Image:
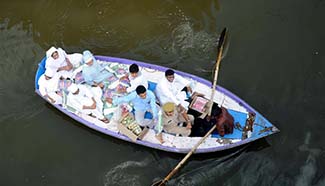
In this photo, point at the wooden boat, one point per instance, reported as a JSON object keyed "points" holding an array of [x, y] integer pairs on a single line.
{"points": [[251, 125]]}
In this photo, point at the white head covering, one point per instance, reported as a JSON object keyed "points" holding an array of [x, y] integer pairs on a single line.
{"points": [[73, 88], [50, 51], [49, 72], [87, 56]]}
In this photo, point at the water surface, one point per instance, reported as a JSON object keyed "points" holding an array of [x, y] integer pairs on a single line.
{"points": [[275, 62]]}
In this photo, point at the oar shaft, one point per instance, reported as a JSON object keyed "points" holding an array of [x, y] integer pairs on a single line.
{"points": [[215, 80], [210, 104], [187, 156]]}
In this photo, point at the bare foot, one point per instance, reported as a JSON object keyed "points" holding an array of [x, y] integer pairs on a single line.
{"points": [[105, 120], [160, 138]]}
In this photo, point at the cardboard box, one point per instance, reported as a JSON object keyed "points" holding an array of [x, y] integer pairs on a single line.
{"points": [[199, 104], [124, 130]]}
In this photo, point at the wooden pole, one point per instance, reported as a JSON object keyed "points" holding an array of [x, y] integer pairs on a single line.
{"points": [[179, 165]]}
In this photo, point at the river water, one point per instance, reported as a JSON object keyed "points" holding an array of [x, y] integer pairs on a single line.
{"points": [[275, 62]]}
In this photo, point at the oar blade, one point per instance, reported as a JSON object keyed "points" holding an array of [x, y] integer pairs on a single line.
{"points": [[225, 46], [223, 42], [222, 38]]}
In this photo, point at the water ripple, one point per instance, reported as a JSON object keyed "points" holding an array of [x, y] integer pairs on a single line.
{"points": [[126, 173], [308, 171], [17, 71]]}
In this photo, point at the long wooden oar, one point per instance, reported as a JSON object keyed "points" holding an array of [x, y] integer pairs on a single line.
{"points": [[162, 182], [221, 43], [171, 173]]}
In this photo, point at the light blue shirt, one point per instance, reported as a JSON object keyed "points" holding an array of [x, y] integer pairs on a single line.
{"points": [[139, 104], [95, 73]]}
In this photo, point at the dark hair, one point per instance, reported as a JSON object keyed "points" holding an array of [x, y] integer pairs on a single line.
{"points": [[134, 68], [216, 111], [140, 89], [169, 72]]}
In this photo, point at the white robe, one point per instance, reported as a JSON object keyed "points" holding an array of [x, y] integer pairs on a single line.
{"points": [[49, 87], [55, 64], [171, 91], [84, 97], [135, 82]]}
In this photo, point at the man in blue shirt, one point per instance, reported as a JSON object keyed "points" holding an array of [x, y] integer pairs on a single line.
{"points": [[143, 101]]}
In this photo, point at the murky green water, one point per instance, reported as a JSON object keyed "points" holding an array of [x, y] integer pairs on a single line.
{"points": [[275, 62]]}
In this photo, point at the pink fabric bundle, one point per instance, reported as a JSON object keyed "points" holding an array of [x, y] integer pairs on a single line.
{"points": [[79, 78]]}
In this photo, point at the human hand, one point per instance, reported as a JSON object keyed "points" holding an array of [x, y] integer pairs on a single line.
{"points": [[101, 85], [109, 100], [189, 89], [94, 84], [189, 125], [126, 77], [51, 100], [93, 106]]}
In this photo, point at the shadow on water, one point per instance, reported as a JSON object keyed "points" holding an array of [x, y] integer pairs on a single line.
{"points": [[194, 172], [200, 163], [17, 50]]}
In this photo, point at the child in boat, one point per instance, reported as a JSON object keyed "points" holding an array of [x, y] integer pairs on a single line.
{"points": [[62, 63], [48, 86], [93, 73], [172, 116], [143, 101], [83, 100], [135, 77], [170, 89]]}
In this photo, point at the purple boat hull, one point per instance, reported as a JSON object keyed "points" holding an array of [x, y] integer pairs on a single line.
{"points": [[118, 135]]}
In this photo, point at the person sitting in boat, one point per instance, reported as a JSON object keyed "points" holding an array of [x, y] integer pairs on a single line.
{"points": [[83, 99], [143, 101], [48, 86], [62, 63], [173, 116], [173, 88], [93, 73], [136, 78], [225, 122], [221, 118]]}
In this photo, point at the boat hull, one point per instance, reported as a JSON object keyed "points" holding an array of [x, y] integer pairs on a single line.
{"points": [[234, 101]]}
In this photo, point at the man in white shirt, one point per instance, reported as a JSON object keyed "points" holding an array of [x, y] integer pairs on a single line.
{"points": [[49, 86], [136, 78], [82, 99], [169, 89]]}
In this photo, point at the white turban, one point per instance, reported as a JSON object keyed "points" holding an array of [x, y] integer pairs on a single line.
{"points": [[73, 88], [50, 51]]}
